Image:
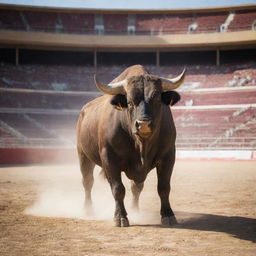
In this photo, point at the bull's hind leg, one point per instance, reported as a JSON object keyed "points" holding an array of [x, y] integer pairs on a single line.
{"points": [[86, 167], [136, 190]]}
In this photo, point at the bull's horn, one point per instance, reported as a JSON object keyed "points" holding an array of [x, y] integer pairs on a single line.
{"points": [[169, 84], [113, 88]]}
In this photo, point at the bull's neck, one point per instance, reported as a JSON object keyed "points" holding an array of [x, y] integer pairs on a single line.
{"points": [[144, 146]]}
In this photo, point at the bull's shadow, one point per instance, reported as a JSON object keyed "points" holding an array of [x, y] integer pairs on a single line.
{"points": [[239, 227]]}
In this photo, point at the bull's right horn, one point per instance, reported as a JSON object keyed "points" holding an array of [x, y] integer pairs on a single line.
{"points": [[169, 84], [113, 88]]}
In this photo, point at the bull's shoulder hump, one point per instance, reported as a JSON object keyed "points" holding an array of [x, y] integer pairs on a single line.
{"points": [[95, 106], [96, 102], [131, 71]]}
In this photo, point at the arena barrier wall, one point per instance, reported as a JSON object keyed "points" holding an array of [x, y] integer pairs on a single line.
{"points": [[216, 155], [9, 156], [37, 155]]}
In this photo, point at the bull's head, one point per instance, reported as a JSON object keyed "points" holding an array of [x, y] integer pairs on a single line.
{"points": [[142, 97]]}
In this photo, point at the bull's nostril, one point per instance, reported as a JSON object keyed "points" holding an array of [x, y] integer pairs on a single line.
{"points": [[137, 125], [143, 126]]}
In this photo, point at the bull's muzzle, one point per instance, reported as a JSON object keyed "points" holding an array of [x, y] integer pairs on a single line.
{"points": [[143, 128]]}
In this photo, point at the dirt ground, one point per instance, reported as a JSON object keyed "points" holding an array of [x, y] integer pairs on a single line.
{"points": [[215, 204]]}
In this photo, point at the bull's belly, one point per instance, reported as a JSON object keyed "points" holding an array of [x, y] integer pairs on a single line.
{"points": [[137, 173]]}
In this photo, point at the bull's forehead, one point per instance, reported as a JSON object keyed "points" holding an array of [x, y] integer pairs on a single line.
{"points": [[143, 86]]}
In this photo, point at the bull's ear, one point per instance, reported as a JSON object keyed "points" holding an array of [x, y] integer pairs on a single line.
{"points": [[170, 98], [119, 101]]}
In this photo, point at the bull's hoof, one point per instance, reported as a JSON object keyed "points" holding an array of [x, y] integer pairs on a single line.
{"points": [[89, 212], [169, 221], [121, 222]]}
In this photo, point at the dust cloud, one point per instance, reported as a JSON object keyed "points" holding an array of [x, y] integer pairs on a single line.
{"points": [[60, 193]]}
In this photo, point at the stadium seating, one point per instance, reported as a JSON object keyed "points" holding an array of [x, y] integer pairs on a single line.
{"points": [[114, 27], [217, 97], [47, 77], [11, 20], [76, 22], [243, 21], [5, 134], [27, 129], [200, 124], [83, 23], [68, 78], [41, 21], [215, 128], [157, 24], [23, 126], [41, 100], [210, 22], [63, 125]]}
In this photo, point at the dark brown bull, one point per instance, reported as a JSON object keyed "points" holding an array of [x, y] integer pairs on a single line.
{"points": [[130, 129]]}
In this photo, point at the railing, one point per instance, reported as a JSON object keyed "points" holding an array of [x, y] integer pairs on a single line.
{"points": [[42, 111], [153, 32], [181, 143], [34, 143], [225, 143]]}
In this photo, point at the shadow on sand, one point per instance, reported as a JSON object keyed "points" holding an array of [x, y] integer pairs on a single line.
{"points": [[239, 227]]}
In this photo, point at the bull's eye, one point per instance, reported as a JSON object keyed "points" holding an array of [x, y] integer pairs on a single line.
{"points": [[130, 104]]}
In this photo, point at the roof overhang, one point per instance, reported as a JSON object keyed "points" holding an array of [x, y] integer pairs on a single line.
{"points": [[24, 38]]}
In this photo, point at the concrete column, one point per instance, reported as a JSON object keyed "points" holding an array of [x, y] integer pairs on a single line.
{"points": [[157, 58], [217, 57], [95, 58], [17, 56]]}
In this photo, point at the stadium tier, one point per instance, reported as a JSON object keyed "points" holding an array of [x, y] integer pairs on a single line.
{"points": [[77, 78], [222, 116], [44, 99], [223, 127], [125, 23]]}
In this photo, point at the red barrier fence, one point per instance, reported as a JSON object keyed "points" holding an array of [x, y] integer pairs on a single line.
{"points": [[37, 155]]}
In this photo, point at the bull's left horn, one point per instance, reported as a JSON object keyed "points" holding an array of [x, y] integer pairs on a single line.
{"points": [[169, 84], [113, 88]]}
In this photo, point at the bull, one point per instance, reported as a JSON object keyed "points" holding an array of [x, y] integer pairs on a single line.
{"points": [[130, 129]]}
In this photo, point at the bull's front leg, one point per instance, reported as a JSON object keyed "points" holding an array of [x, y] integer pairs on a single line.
{"points": [[118, 191], [113, 174], [164, 172]]}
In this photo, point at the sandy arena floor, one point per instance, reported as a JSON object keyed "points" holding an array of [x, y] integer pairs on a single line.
{"points": [[215, 203]]}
